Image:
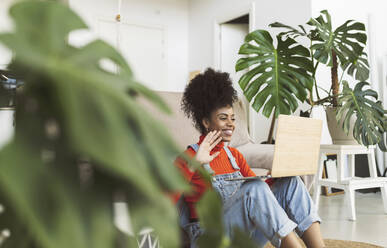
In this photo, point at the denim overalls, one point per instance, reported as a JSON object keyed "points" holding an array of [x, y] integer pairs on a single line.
{"points": [[266, 214]]}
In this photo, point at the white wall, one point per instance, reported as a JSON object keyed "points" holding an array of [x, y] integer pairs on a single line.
{"points": [[170, 16], [204, 13], [5, 25]]}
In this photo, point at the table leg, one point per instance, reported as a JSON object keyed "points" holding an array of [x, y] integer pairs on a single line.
{"points": [[340, 167], [318, 177], [372, 163], [384, 196], [350, 196], [351, 163]]}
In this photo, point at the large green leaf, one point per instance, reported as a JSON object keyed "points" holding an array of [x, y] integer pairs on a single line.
{"points": [[370, 125], [293, 32], [359, 67], [348, 40], [277, 77], [72, 108]]}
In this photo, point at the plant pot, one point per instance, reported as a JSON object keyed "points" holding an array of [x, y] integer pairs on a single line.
{"points": [[6, 124], [339, 137]]}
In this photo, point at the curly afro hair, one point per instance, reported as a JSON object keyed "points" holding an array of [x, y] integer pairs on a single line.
{"points": [[206, 93]]}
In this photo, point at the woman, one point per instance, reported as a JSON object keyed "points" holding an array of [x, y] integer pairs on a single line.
{"points": [[268, 211]]}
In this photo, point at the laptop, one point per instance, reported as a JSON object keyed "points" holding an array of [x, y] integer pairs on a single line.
{"points": [[296, 149]]}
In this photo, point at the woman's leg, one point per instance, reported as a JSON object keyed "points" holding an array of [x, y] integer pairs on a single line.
{"points": [[290, 241], [294, 198], [312, 236], [256, 210]]}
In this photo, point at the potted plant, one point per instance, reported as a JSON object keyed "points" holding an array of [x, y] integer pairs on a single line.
{"points": [[280, 77], [8, 87]]}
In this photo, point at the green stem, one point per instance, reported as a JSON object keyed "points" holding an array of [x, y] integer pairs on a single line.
{"points": [[276, 76], [315, 81], [314, 72], [341, 78], [326, 99], [270, 137], [335, 82]]}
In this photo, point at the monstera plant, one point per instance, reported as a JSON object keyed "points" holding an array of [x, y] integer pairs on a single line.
{"points": [[80, 139], [277, 78], [280, 75]]}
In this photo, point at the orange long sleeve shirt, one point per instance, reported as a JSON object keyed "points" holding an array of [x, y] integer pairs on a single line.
{"points": [[220, 165]]}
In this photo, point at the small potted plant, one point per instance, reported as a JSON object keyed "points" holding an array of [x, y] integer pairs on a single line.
{"points": [[8, 86], [278, 77]]}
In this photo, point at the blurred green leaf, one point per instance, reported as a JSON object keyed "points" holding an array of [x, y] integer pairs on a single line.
{"points": [[242, 240], [211, 220], [71, 108]]}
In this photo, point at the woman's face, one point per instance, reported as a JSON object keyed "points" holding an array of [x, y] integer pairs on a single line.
{"points": [[222, 120]]}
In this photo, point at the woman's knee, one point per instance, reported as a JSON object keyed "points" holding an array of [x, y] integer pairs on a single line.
{"points": [[256, 187], [290, 182]]}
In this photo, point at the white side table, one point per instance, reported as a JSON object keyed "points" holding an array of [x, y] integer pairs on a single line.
{"points": [[351, 183]]}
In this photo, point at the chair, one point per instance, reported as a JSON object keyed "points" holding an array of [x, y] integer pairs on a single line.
{"points": [[145, 238]]}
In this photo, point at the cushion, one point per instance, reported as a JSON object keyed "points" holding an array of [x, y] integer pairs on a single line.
{"points": [[240, 135], [180, 127], [260, 171], [258, 155]]}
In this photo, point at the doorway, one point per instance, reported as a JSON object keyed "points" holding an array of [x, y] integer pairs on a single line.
{"points": [[232, 35], [229, 34]]}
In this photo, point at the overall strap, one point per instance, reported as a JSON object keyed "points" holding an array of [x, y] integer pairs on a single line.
{"points": [[231, 158], [207, 166]]}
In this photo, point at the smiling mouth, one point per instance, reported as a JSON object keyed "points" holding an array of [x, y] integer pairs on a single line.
{"points": [[227, 132]]}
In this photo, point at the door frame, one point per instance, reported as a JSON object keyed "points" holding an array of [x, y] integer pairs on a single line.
{"points": [[226, 17], [248, 9]]}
